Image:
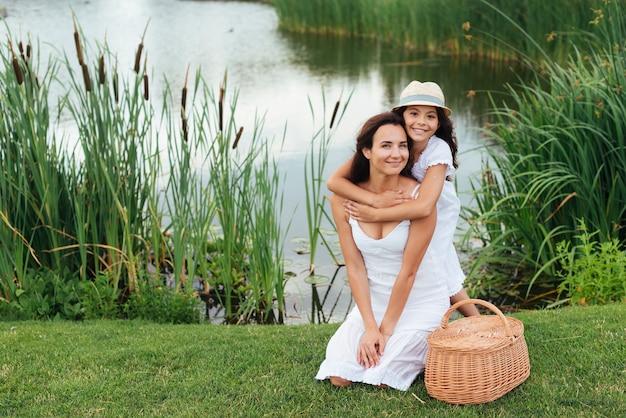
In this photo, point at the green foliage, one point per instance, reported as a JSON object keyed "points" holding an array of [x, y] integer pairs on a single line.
{"points": [[44, 294], [592, 272], [557, 154], [467, 27], [159, 303], [100, 298]]}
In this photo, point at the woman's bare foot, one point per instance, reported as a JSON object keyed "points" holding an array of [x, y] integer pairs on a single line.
{"points": [[340, 382]]}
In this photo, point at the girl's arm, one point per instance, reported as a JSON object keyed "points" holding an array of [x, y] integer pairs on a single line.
{"points": [[424, 205], [338, 183], [420, 234], [368, 354]]}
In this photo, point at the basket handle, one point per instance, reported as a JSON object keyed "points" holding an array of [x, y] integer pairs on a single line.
{"points": [[492, 307]]}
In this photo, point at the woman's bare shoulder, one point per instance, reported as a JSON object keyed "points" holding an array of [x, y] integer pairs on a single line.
{"points": [[408, 184]]}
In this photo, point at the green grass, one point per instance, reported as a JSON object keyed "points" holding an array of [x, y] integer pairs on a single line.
{"points": [[130, 368]]}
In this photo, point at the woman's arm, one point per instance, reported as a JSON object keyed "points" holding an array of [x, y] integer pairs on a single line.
{"points": [[338, 183], [423, 206], [420, 234], [368, 354]]}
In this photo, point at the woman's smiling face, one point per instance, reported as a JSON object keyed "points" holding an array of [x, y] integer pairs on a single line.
{"points": [[390, 150]]}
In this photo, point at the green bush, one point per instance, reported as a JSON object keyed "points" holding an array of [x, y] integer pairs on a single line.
{"points": [[592, 272], [44, 294], [159, 303]]}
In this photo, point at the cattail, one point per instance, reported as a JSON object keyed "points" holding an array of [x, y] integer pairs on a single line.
{"points": [[101, 75], [220, 106], [146, 96], [16, 65], [237, 137], [86, 78], [185, 129], [116, 89], [183, 105], [21, 48], [18, 71], [183, 99], [138, 57], [28, 50], [79, 48], [332, 119], [140, 50]]}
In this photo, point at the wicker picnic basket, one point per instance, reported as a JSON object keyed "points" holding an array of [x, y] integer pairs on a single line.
{"points": [[476, 359]]}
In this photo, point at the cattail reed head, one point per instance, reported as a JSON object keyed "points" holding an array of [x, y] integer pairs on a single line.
{"points": [[146, 94], [18, 71], [86, 78], [101, 74], [16, 65], [21, 48], [185, 129], [220, 106], [138, 58], [79, 48], [237, 137], [140, 50], [183, 99], [332, 119], [116, 88]]}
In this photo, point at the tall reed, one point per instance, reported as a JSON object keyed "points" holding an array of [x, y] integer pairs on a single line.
{"points": [[119, 165], [559, 157], [96, 210], [462, 27], [35, 205], [314, 170]]}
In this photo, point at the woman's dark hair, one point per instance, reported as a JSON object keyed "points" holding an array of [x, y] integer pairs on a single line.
{"points": [[445, 131], [360, 170]]}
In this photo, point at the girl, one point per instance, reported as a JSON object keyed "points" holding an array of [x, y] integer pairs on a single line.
{"points": [[427, 122], [390, 265]]}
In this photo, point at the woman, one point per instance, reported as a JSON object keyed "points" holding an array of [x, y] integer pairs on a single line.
{"points": [[389, 265]]}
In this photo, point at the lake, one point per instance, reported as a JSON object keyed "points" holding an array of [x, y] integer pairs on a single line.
{"points": [[276, 74]]}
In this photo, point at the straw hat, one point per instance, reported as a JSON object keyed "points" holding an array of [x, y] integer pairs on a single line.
{"points": [[426, 93]]}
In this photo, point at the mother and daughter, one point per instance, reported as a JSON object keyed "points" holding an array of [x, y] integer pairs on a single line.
{"points": [[396, 211]]}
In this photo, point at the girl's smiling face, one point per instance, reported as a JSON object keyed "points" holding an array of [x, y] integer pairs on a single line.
{"points": [[421, 123]]}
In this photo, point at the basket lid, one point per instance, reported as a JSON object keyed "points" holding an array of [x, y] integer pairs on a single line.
{"points": [[476, 332]]}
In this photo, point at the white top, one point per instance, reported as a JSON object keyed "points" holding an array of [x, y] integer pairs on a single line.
{"points": [[437, 151]]}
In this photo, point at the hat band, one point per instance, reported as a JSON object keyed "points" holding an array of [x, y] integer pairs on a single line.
{"points": [[422, 98]]}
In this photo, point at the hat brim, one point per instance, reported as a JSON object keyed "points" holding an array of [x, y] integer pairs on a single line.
{"points": [[446, 110]]}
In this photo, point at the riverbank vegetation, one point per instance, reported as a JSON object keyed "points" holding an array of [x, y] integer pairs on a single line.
{"points": [[551, 201], [458, 27], [97, 224], [138, 368]]}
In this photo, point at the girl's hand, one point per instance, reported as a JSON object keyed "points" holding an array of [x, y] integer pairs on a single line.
{"points": [[390, 198], [371, 348]]}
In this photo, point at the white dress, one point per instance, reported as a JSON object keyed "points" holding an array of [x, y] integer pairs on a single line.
{"points": [[436, 152], [405, 353]]}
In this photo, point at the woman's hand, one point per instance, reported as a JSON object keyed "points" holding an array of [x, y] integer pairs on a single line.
{"points": [[371, 348]]}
